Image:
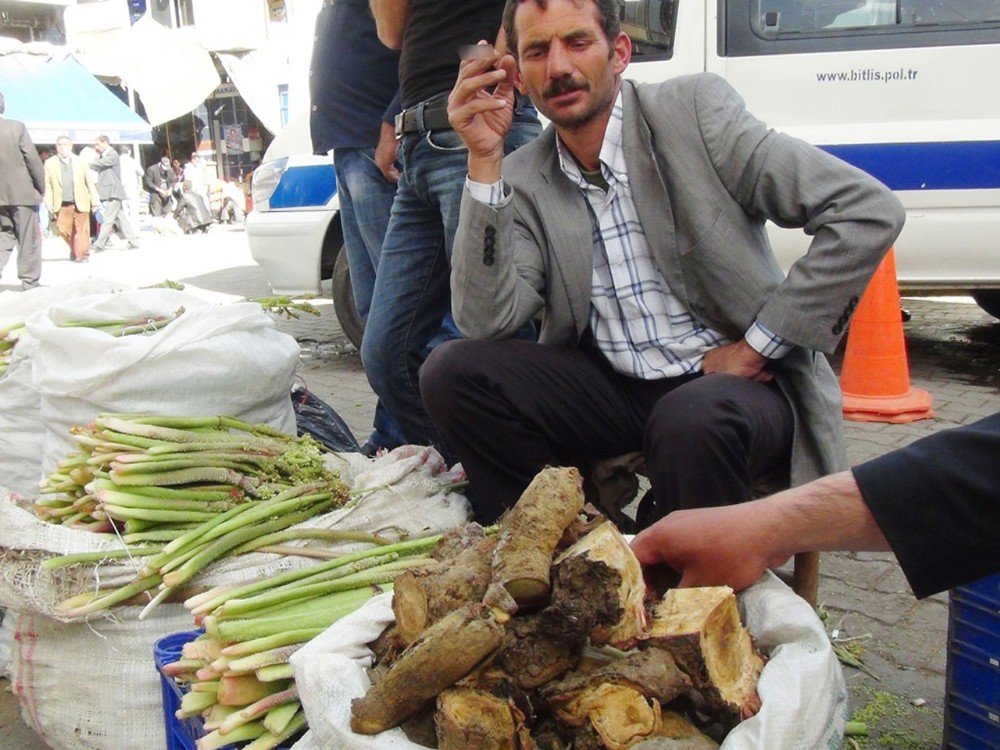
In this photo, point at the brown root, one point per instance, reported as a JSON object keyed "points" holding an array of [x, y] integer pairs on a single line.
{"points": [[701, 629], [530, 532], [606, 546], [469, 718], [422, 597], [447, 651]]}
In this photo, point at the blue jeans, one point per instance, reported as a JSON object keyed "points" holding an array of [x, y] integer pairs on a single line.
{"points": [[411, 305], [365, 202]]}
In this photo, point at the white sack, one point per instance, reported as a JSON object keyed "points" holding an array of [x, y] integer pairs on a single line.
{"points": [[212, 360], [804, 699], [21, 428], [93, 685]]}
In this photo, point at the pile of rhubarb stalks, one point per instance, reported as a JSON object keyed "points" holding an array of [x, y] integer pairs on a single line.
{"points": [[178, 493], [237, 673]]}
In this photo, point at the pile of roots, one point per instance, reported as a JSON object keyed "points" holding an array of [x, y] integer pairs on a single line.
{"points": [[540, 636]]}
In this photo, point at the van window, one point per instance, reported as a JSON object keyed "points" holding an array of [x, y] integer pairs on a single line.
{"points": [[651, 25], [775, 17], [774, 27]]}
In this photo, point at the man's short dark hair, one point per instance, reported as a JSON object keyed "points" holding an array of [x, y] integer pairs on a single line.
{"points": [[608, 11], [103, 139]]}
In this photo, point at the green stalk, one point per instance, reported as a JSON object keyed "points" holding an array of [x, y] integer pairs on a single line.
{"points": [[311, 504], [132, 441], [261, 708], [216, 741], [193, 703], [257, 645], [315, 613], [279, 718], [275, 672], [270, 740], [204, 494], [188, 476], [103, 602], [123, 513], [409, 547], [381, 574], [127, 499], [155, 535], [329, 535], [62, 561], [177, 464], [253, 662]]}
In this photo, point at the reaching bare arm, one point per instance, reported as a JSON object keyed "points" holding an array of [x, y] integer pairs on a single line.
{"points": [[390, 21], [734, 544]]}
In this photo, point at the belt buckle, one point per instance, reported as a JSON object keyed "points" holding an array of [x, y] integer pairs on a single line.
{"points": [[398, 130]]}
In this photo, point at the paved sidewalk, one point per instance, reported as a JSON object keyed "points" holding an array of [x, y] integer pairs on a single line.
{"points": [[954, 352]]}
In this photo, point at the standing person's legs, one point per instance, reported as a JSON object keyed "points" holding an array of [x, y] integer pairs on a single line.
{"points": [[109, 210], [81, 233], [28, 230], [8, 240], [366, 199], [124, 225], [411, 295], [708, 441], [66, 226], [507, 408]]}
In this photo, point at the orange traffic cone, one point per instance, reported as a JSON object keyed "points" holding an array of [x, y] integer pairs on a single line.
{"points": [[875, 376]]}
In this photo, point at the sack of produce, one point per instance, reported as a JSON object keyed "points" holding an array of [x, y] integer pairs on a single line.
{"points": [[543, 635], [92, 685], [158, 351], [21, 428]]}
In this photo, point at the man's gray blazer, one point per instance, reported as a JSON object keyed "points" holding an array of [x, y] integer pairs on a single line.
{"points": [[109, 175], [705, 175], [22, 177]]}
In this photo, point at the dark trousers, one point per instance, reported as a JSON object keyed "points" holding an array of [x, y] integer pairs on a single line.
{"points": [[508, 408], [20, 227]]}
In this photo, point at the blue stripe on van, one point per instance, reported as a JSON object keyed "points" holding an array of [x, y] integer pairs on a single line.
{"points": [[957, 165], [306, 186]]}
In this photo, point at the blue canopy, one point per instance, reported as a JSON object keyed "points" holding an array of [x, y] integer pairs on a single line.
{"points": [[61, 97]]}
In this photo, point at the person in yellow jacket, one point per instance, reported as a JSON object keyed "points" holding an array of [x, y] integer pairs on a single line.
{"points": [[70, 193]]}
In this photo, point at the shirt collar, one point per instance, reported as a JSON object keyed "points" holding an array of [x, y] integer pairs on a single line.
{"points": [[612, 157]]}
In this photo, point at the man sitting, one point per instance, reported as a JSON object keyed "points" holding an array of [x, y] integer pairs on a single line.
{"points": [[634, 227]]}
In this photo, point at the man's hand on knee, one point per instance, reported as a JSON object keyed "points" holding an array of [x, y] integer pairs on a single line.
{"points": [[739, 359], [710, 546]]}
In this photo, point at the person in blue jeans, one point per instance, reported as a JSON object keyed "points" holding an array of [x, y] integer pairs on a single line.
{"points": [[410, 312], [353, 83]]}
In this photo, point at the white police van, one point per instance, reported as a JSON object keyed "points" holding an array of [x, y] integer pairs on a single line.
{"points": [[903, 89]]}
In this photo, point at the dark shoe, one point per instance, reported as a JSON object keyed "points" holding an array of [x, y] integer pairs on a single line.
{"points": [[369, 449]]}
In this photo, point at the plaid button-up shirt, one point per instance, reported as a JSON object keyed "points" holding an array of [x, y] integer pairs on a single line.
{"points": [[638, 324]]}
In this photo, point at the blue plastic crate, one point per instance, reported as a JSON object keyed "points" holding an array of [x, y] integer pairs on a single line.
{"points": [[972, 709]]}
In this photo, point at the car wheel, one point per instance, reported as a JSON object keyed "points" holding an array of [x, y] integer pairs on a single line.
{"points": [[989, 300], [343, 301]]}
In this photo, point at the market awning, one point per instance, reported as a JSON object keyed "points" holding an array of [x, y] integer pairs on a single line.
{"points": [[57, 96]]}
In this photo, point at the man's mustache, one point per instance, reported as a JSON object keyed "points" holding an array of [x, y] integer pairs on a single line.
{"points": [[565, 85]]}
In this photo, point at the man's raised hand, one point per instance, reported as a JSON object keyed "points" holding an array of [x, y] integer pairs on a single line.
{"points": [[481, 110]]}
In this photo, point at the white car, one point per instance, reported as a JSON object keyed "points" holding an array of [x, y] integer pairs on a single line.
{"points": [[294, 227]]}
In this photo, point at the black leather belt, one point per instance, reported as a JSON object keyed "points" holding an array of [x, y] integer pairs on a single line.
{"points": [[432, 114], [428, 115]]}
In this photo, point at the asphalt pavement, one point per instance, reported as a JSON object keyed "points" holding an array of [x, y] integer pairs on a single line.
{"points": [[954, 351]]}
